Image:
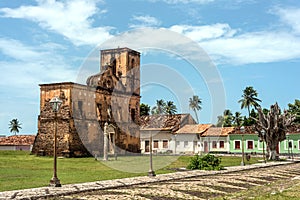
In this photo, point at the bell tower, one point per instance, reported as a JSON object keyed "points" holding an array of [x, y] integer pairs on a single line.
{"points": [[125, 65]]}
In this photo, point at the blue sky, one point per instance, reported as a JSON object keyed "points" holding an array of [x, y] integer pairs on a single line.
{"points": [[251, 43]]}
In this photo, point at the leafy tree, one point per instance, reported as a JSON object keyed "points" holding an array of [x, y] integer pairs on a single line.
{"points": [[265, 111], [249, 98], [195, 104], [295, 110], [14, 126], [275, 125], [220, 121], [251, 120], [170, 108], [144, 109], [159, 108]]}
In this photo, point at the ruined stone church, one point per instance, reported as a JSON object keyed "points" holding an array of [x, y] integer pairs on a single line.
{"points": [[111, 96]]}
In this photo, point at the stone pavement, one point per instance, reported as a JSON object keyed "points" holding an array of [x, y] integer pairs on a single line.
{"points": [[43, 192]]}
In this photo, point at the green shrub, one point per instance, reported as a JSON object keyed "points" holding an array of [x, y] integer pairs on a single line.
{"points": [[206, 162]]}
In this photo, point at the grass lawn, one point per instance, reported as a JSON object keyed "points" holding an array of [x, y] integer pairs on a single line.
{"points": [[20, 170]]}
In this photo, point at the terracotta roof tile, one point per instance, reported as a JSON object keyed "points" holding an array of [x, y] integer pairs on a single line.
{"points": [[17, 140], [218, 131], [194, 128], [249, 130], [294, 129], [165, 122]]}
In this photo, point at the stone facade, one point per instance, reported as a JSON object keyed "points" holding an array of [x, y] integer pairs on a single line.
{"points": [[111, 96]]}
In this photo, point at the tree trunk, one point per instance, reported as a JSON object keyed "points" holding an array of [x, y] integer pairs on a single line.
{"points": [[196, 116], [272, 145], [273, 155], [248, 111], [273, 126]]}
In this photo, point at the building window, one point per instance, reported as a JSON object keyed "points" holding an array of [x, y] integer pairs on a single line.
{"points": [[165, 144], [132, 114], [80, 105], [249, 144], [177, 143], [222, 144], [214, 144], [147, 146], [155, 144], [237, 144], [186, 143]]}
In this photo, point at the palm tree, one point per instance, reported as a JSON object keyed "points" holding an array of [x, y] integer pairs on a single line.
{"points": [[220, 121], [249, 99], [228, 118], [15, 126], [170, 108], [238, 119], [159, 108], [195, 104]]}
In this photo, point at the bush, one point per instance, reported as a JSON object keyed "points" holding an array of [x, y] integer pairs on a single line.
{"points": [[206, 162]]}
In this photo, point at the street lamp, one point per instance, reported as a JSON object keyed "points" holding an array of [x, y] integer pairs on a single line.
{"points": [[151, 172], [288, 145], [105, 148], [55, 103], [242, 129], [175, 144], [263, 132]]}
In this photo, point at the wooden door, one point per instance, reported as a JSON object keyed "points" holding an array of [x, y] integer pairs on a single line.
{"points": [[205, 147], [147, 146]]}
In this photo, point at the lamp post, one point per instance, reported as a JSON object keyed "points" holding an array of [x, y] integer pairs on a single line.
{"points": [[242, 129], [263, 135], [55, 103], [288, 146], [151, 172], [105, 146], [175, 144]]}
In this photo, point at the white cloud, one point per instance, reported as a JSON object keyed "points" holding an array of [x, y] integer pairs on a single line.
{"points": [[29, 66], [227, 45], [259, 47], [290, 16], [184, 1], [71, 19], [144, 21], [18, 51], [199, 33]]}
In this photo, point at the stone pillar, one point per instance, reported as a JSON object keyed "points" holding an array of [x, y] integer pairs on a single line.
{"points": [[105, 148]]}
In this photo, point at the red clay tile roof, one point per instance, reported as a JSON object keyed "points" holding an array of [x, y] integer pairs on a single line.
{"points": [[165, 122], [294, 129], [17, 140], [248, 130], [218, 131], [193, 128]]}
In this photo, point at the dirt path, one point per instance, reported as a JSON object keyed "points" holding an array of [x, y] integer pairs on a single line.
{"points": [[204, 187]]}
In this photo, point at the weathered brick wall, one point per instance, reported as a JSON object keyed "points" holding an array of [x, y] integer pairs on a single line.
{"points": [[68, 142], [112, 96]]}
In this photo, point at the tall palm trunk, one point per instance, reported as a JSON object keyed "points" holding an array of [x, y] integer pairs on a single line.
{"points": [[248, 111], [196, 116]]}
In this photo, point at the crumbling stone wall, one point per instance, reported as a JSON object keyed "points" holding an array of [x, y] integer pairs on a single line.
{"points": [[69, 143], [112, 96]]}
